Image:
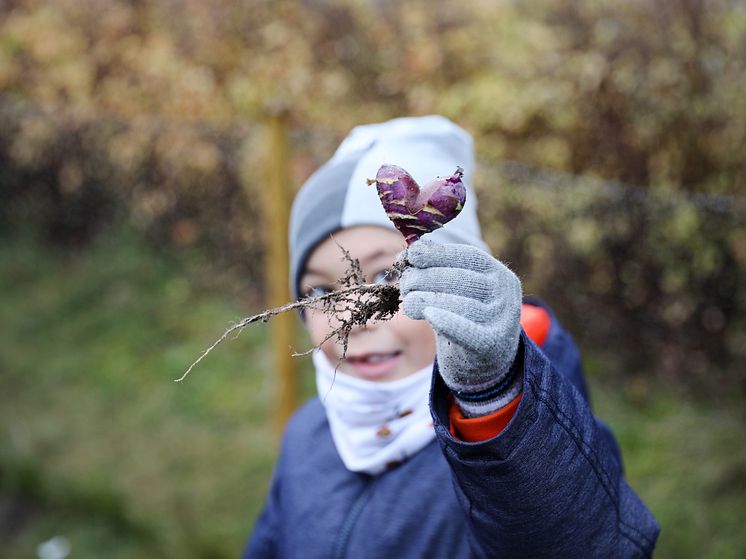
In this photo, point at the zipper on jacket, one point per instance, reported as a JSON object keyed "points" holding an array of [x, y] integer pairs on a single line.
{"points": [[340, 549]]}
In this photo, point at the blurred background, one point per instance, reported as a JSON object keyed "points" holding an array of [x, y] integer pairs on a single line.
{"points": [[134, 155]]}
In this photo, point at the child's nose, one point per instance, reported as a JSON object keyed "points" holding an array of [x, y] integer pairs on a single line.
{"points": [[369, 302], [354, 312], [360, 328]]}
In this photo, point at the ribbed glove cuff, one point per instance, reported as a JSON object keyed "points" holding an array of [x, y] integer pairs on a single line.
{"points": [[481, 400]]}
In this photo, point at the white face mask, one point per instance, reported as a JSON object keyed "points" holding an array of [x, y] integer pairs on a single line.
{"points": [[375, 425]]}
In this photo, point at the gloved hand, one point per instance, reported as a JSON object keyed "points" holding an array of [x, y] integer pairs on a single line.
{"points": [[473, 302]]}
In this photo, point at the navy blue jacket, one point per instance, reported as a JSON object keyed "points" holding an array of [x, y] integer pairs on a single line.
{"points": [[550, 485]]}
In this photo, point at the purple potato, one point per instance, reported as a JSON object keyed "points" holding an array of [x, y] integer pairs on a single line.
{"points": [[414, 210]]}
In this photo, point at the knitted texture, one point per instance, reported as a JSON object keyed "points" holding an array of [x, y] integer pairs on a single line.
{"points": [[473, 302]]}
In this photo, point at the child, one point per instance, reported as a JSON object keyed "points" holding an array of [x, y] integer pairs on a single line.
{"points": [[461, 427]]}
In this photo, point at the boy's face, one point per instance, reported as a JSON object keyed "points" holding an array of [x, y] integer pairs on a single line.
{"points": [[380, 350]]}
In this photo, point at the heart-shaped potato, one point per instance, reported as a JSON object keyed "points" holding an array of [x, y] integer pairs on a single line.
{"points": [[414, 210]]}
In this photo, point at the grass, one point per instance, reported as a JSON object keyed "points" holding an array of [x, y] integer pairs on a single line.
{"points": [[98, 445], [687, 460]]}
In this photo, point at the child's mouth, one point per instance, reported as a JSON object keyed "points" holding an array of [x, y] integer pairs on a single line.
{"points": [[374, 366]]}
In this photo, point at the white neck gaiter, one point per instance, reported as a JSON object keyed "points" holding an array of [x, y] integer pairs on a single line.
{"points": [[375, 425]]}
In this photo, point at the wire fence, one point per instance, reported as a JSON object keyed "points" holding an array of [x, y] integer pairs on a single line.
{"points": [[525, 175]]}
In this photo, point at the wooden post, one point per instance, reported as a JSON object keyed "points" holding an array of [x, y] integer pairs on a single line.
{"points": [[276, 209]]}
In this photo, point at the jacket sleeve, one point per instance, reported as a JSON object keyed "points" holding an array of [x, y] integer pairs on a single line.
{"points": [[551, 484], [263, 541]]}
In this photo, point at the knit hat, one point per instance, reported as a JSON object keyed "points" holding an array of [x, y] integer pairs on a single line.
{"points": [[338, 196]]}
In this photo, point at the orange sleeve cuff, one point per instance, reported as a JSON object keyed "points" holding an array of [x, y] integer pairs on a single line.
{"points": [[476, 429], [536, 323]]}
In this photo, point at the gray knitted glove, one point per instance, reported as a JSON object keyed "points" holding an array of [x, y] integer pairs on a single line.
{"points": [[473, 302]]}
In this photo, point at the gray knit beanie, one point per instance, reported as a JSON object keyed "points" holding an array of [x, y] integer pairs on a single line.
{"points": [[338, 196]]}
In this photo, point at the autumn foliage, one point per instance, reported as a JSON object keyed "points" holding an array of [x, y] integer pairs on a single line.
{"points": [[150, 112]]}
